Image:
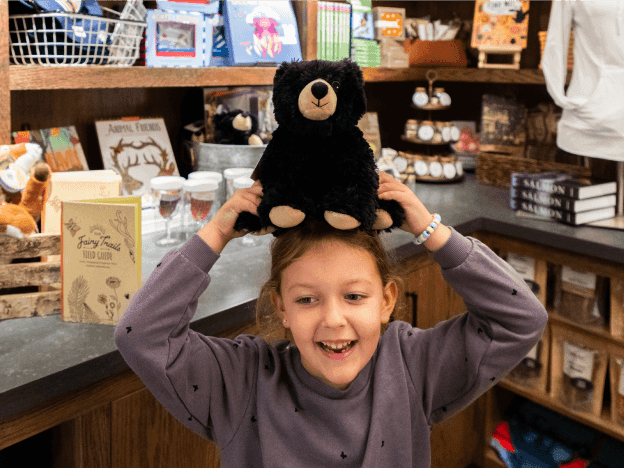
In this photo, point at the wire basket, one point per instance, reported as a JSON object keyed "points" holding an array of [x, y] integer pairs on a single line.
{"points": [[59, 38]]}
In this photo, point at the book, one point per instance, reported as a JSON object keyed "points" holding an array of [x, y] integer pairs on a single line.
{"points": [[138, 149], [566, 217], [101, 258], [500, 24], [562, 202], [563, 184], [503, 123], [261, 32], [61, 147]]}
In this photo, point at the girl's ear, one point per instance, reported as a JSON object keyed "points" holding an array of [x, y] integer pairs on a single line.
{"points": [[391, 292]]}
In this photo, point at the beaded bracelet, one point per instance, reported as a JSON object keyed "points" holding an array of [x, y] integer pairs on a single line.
{"points": [[427, 232]]}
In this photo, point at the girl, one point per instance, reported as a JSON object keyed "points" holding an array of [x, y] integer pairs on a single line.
{"points": [[347, 389]]}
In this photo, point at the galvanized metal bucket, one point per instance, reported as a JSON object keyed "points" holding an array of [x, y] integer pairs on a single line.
{"points": [[214, 157]]}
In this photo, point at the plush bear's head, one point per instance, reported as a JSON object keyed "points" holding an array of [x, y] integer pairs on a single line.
{"points": [[318, 97], [235, 127]]}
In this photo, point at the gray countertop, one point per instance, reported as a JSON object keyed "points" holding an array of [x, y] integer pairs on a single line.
{"points": [[43, 357]]}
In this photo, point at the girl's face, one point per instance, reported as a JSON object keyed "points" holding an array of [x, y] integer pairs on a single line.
{"points": [[333, 294]]}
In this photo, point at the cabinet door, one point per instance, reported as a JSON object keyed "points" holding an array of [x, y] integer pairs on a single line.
{"points": [[454, 442], [143, 433]]}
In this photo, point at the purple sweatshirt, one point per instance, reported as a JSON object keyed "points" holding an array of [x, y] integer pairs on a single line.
{"points": [[263, 409]]}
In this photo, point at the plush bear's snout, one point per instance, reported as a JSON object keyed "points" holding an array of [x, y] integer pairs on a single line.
{"points": [[317, 101]]}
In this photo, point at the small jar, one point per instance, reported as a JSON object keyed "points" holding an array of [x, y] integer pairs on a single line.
{"points": [[449, 170], [443, 98], [455, 133], [437, 135], [411, 129], [420, 98], [426, 131], [435, 168], [446, 132], [232, 173], [421, 168]]}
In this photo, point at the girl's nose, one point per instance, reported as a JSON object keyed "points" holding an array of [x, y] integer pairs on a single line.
{"points": [[333, 315]]}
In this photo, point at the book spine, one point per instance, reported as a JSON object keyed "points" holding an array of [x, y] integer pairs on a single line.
{"points": [[334, 29], [319, 31], [534, 208], [542, 185], [325, 21], [563, 203]]}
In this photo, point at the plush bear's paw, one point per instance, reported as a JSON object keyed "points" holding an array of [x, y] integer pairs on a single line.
{"points": [[384, 220], [285, 216], [255, 140], [341, 221], [263, 231]]}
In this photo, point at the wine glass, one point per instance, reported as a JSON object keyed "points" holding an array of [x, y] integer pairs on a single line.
{"points": [[203, 193], [216, 177], [167, 191], [240, 183]]}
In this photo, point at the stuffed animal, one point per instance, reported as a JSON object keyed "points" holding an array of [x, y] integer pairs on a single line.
{"points": [[23, 190], [236, 128], [318, 164]]}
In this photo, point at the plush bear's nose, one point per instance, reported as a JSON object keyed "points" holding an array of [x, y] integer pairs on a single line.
{"points": [[319, 90]]}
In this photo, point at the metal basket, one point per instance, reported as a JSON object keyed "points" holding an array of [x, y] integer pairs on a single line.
{"points": [[55, 39]]}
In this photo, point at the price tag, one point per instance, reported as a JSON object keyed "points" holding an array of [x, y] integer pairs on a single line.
{"points": [[584, 280], [525, 266], [578, 362]]}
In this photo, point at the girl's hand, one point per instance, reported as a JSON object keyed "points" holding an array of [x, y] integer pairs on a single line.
{"points": [[417, 217], [220, 230]]}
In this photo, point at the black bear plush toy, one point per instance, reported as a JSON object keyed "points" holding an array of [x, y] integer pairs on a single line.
{"points": [[236, 128], [318, 164]]}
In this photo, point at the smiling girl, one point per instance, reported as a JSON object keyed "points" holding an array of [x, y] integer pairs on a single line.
{"points": [[348, 387]]}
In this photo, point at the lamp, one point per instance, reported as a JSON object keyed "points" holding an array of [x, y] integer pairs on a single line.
{"points": [[592, 122]]}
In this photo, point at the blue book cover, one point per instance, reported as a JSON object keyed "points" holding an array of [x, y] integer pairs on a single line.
{"points": [[261, 32]]}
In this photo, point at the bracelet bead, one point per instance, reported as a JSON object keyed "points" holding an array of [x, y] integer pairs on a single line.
{"points": [[427, 232]]}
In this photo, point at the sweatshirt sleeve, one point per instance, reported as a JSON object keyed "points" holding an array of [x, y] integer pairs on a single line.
{"points": [[459, 359], [555, 55], [204, 382]]}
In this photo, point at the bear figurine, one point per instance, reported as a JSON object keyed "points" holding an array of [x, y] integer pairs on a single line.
{"points": [[236, 128], [318, 165]]}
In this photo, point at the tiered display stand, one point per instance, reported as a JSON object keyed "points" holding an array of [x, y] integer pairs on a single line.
{"points": [[436, 163]]}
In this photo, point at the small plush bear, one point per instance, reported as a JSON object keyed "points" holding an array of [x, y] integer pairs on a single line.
{"points": [[236, 128], [318, 164]]}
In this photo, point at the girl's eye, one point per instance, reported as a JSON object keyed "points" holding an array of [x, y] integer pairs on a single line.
{"points": [[302, 300], [360, 296]]}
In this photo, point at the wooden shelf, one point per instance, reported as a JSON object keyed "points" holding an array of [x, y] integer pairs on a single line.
{"points": [[602, 423], [32, 77]]}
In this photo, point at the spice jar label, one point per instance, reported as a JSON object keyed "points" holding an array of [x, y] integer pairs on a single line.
{"points": [[578, 362], [525, 266], [583, 280]]}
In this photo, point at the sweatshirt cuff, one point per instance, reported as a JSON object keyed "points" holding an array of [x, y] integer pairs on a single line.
{"points": [[454, 251], [197, 251]]}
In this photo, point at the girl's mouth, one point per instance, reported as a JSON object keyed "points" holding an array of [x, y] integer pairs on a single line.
{"points": [[337, 355]]}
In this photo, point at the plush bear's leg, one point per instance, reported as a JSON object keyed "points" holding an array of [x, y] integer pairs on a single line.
{"points": [[285, 216], [394, 209], [383, 221], [248, 221], [341, 221]]}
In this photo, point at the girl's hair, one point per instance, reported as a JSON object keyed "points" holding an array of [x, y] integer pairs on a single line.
{"points": [[292, 245]]}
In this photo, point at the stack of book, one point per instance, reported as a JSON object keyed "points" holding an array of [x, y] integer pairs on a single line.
{"points": [[333, 30], [562, 198]]}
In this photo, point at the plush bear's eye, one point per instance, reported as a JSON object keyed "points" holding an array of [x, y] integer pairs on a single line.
{"points": [[335, 85]]}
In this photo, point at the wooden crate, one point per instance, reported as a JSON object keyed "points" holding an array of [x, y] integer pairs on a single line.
{"points": [[495, 168], [14, 275]]}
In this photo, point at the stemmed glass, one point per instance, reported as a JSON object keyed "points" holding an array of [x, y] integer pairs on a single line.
{"points": [[238, 183], [203, 194], [216, 177], [167, 191]]}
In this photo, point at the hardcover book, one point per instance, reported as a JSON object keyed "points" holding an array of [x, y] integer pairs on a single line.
{"points": [[566, 217], [261, 32], [101, 258], [563, 185], [61, 147], [138, 150], [561, 202]]}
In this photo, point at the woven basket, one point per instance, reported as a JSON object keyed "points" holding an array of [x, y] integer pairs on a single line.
{"points": [[542, 39], [495, 169]]}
